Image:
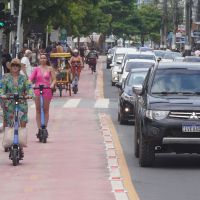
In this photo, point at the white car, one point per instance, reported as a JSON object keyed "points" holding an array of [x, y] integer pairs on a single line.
{"points": [[134, 64], [137, 55], [116, 70], [119, 52]]}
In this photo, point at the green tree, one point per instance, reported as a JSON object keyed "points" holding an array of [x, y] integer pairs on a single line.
{"points": [[149, 22]]}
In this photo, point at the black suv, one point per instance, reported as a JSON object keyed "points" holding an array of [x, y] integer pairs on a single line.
{"points": [[167, 111]]}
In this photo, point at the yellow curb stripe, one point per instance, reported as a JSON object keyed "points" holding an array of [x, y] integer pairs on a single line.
{"points": [[128, 185], [100, 83]]}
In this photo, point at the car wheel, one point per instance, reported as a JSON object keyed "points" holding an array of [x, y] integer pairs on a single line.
{"points": [[136, 142], [113, 84], [146, 152]]}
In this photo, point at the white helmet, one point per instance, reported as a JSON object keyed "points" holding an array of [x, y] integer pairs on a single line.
{"points": [[75, 51]]}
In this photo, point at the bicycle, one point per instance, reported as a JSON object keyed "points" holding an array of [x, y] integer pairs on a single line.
{"points": [[16, 152], [92, 64], [43, 133]]}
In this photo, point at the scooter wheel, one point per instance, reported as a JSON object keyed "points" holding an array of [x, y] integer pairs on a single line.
{"points": [[44, 140], [15, 158]]}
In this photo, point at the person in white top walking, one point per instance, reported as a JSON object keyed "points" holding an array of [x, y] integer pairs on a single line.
{"points": [[26, 65]]}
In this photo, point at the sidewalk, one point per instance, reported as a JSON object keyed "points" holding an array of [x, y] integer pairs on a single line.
{"points": [[72, 165]]}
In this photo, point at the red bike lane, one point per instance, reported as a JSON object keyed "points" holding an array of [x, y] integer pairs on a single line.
{"points": [[72, 165]]}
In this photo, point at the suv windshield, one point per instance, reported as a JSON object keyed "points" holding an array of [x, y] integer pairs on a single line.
{"points": [[136, 78], [117, 56], [134, 65], [139, 56], [176, 81]]}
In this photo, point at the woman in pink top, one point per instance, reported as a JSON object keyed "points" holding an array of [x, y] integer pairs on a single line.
{"points": [[43, 75]]}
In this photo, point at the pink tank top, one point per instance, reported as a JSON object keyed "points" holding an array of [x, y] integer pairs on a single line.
{"points": [[44, 79], [39, 78]]}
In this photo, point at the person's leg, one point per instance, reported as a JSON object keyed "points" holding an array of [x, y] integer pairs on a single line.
{"points": [[46, 110], [37, 106]]}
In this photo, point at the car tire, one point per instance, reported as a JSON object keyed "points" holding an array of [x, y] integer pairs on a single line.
{"points": [[113, 84], [146, 152], [136, 144], [120, 119]]}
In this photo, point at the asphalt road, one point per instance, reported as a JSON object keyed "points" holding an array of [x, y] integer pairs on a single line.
{"points": [[174, 177]]}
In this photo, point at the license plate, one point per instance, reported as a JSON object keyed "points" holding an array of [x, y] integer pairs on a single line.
{"points": [[191, 128]]}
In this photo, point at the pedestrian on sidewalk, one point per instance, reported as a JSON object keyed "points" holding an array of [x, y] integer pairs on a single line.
{"points": [[26, 65], [6, 58]]}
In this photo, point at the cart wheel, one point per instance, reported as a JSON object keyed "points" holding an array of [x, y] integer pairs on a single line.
{"points": [[60, 90], [70, 90]]}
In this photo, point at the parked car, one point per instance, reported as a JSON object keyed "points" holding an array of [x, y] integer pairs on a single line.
{"points": [[109, 57], [167, 111], [191, 59], [136, 55], [159, 53], [119, 52], [145, 49], [134, 63], [116, 70], [127, 96]]}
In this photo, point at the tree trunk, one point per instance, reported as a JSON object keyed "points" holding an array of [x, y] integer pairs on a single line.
{"points": [[142, 40]]}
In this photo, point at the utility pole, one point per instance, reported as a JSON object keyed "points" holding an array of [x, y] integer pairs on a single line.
{"points": [[188, 21], [18, 28], [11, 40]]}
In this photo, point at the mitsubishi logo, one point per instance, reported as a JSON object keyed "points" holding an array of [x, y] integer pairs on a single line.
{"points": [[193, 116]]}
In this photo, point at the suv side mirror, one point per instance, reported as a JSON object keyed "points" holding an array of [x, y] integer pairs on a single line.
{"points": [[119, 85], [137, 89], [120, 72], [159, 59]]}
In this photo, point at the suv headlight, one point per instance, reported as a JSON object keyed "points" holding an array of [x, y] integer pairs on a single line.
{"points": [[156, 114]]}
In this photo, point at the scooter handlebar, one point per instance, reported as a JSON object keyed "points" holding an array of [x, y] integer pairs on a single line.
{"points": [[41, 87], [16, 96]]}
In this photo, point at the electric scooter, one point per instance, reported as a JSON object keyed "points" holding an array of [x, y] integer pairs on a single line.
{"points": [[75, 81], [16, 152], [43, 133]]}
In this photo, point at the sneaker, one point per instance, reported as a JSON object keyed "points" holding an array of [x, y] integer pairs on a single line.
{"points": [[39, 133]]}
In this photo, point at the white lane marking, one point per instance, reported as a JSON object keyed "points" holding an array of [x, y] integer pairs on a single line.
{"points": [[102, 103], [72, 103]]}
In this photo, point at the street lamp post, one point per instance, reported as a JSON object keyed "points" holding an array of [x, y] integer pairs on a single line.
{"points": [[18, 28]]}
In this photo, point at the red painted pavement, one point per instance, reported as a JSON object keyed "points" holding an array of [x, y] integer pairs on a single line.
{"points": [[72, 165]]}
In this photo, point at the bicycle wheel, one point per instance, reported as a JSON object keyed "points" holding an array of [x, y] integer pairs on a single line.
{"points": [[60, 89]]}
